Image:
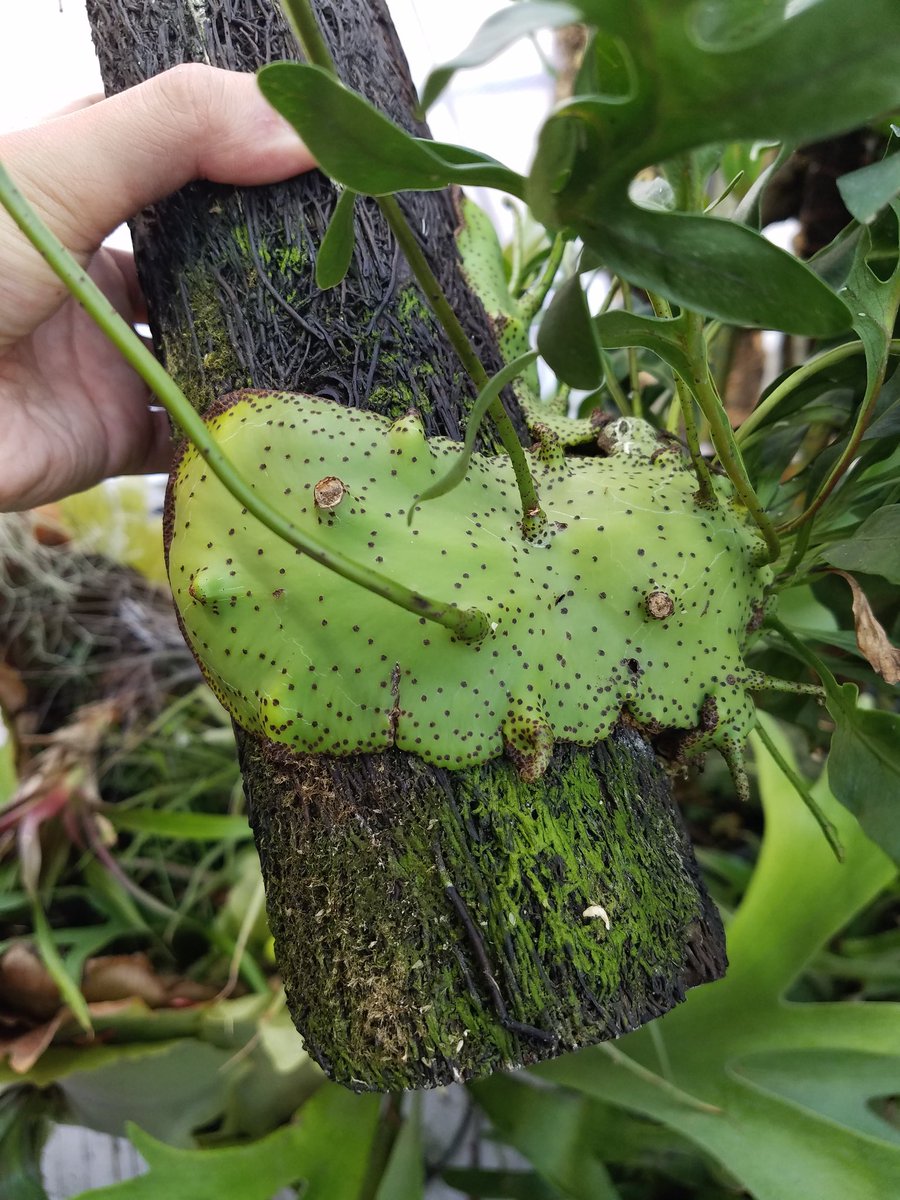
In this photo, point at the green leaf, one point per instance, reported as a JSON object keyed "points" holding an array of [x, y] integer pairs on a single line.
{"points": [[500, 1185], [716, 267], [184, 826], [711, 1047], [703, 76], [839, 1085], [556, 1132], [404, 1178], [336, 250], [498, 32], [306, 1150], [866, 192], [661, 335], [568, 340], [874, 548], [361, 148], [139, 1087], [864, 760], [25, 1115], [864, 763], [64, 977]]}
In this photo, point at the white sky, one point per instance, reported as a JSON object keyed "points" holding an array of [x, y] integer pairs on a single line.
{"points": [[46, 61]]}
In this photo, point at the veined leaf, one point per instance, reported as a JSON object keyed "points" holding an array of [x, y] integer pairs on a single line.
{"points": [[874, 547], [705, 75], [361, 148], [864, 760], [864, 763], [716, 267]]}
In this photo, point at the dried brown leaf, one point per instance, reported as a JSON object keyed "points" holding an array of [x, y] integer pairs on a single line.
{"points": [[871, 638]]}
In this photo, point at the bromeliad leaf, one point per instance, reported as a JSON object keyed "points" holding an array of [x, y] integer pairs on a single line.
{"points": [[336, 251], [361, 148], [497, 33]]}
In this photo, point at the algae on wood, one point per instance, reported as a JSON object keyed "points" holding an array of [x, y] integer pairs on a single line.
{"points": [[430, 925]]}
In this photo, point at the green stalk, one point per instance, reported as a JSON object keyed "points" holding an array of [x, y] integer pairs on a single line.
{"points": [[690, 196], [440, 305], [637, 405], [309, 35], [530, 304], [469, 625], [306, 27], [801, 787], [720, 431], [706, 491]]}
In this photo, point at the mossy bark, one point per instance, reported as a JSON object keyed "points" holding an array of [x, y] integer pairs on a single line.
{"points": [[430, 925]]}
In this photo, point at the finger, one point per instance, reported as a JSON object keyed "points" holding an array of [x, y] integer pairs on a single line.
{"points": [[155, 455], [75, 106], [92, 169], [123, 261]]}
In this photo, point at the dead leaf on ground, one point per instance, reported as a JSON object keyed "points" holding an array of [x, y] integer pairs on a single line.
{"points": [[871, 638]]}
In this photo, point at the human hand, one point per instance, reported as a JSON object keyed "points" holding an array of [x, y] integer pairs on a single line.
{"points": [[71, 410]]}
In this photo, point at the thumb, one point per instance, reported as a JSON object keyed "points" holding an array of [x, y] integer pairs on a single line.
{"points": [[89, 170]]}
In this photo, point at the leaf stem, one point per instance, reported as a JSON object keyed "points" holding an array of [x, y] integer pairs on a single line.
{"points": [[466, 624], [720, 431], [837, 472], [434, 294], [706, 491], [621, 1059], [801, 787], [313, 44], [828, 358], [530, 303], [306, 29], [634, 374]]}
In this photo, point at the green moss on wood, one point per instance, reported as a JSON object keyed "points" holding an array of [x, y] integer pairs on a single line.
{"points": [[202, 356], [403, 996]]}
